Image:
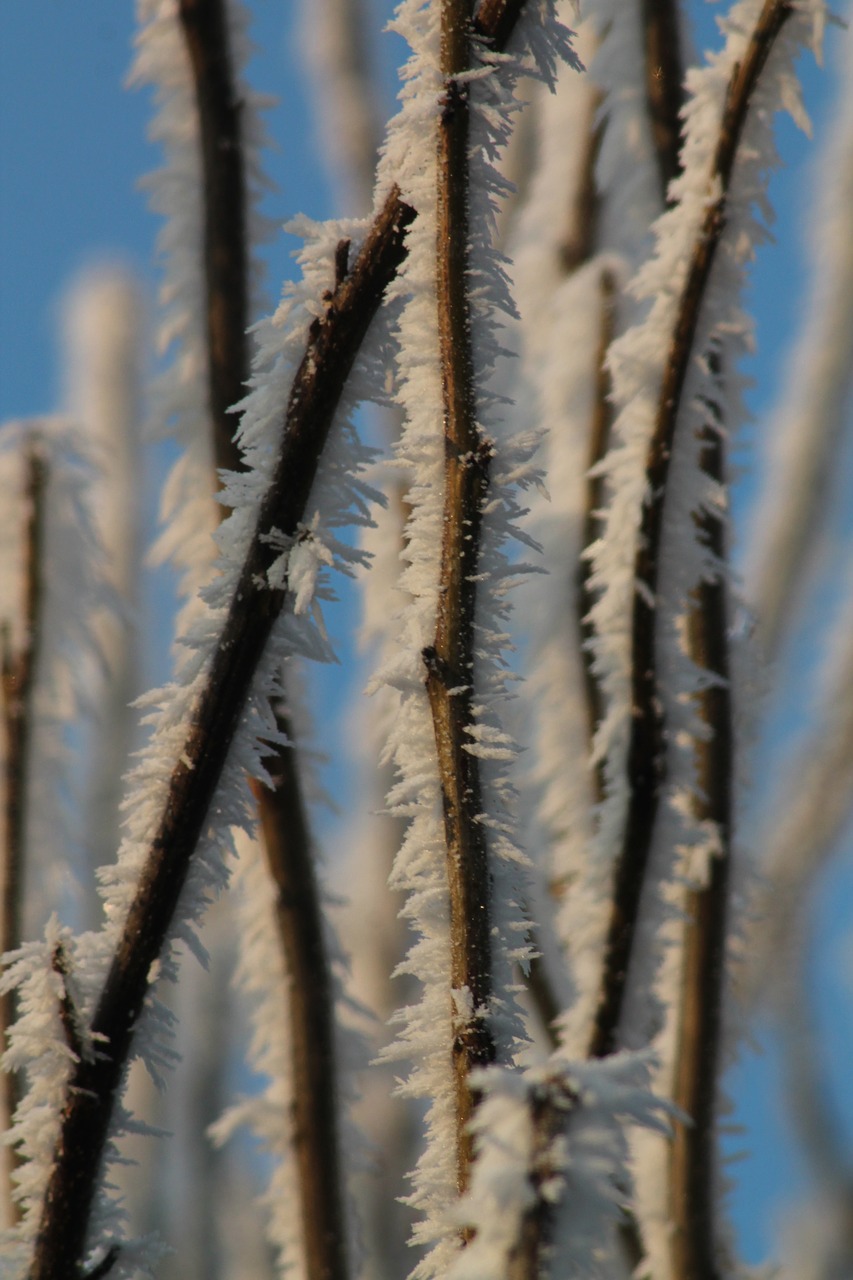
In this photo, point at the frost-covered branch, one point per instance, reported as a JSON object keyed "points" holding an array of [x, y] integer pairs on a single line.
{"points": [[646, 760], [17, 679], [450, 661], [334, 340]]}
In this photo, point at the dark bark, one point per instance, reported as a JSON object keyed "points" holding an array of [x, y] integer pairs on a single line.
{"points": [[693, 1155], [450, 661], [226, 253]]}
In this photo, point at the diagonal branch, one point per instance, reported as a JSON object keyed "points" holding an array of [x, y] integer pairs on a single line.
{"points": [[18, 683], [647, 746], [333, 343]]}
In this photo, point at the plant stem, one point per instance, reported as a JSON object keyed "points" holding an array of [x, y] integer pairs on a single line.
{"points": [[284, 827], [18, 686], [450, 661], [647, 744]]}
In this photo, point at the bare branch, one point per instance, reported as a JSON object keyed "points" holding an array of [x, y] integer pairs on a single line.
{"points": [[205, 27], [647, 748], [450, 661]]}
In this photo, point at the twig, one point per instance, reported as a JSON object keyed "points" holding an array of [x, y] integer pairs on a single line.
{"points": [[646, 752], [18, 683], [333, 343], [693, 1194], [449, 661], [283, 817], [226, 259], [550, 1110], [664, 86], [599, 438]]}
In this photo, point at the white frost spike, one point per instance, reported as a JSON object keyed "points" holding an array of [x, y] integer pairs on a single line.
{"points": [[577, 1166]]}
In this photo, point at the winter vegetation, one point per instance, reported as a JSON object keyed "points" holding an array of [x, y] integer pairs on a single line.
{"points": [[481, 1028]]}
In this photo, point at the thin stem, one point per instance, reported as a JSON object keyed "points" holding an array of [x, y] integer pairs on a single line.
{"points": [[450, 661], [647, 746], [18, 685], [333, 343], [283, 818], [599, 439], [693, 1152], [226, 259], [664, 86]]}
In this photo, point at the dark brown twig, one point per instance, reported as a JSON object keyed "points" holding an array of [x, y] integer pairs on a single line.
{"points": [[283, 817], [693, 1154], [333, 343], [664, 86], [226, 257], [18, 684], [450, 661], [646, 752]]}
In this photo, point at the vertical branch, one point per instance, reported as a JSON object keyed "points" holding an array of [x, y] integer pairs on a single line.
{"points": [[18, 682], [647, 741], [664, 86], [284, 826], [450, 660], [226, 256], [693, 1192], [599, 439]]}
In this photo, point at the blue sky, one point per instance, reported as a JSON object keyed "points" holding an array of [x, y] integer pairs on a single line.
{"points": [[72, 148]]}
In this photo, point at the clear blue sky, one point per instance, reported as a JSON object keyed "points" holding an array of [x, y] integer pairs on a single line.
{"points": [[72, 148]]}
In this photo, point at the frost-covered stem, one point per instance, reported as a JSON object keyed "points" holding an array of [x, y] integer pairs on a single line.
{"points": [[310, 1000], [18, 682], [599, 437], [333, 343], [283, 817], [550, 1108], [205, 27], [664, 85], [693, 1189], [646, 749], [450, 660]]}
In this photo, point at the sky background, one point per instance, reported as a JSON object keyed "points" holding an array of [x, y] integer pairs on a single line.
{"points": [[72, 149]]}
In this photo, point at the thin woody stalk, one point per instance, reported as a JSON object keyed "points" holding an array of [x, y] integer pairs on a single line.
{"points": [[284, 826], [450, 660], [693, 1156], [18, 684], [647, 750], [333, 343]]}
